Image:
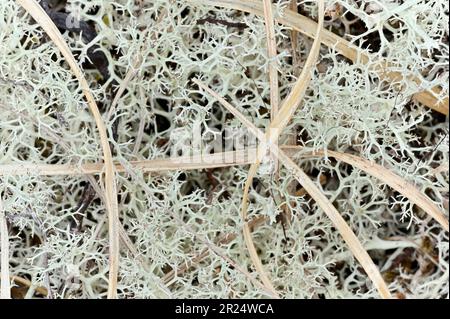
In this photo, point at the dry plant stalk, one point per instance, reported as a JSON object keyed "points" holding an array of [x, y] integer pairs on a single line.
{"points": [[346, 232], [5, 289], [88, 169], [219, 160], [225, 159], [272, 54], [294, 35], [38, 14], [394, 181], [308, 27], [276, 126]]}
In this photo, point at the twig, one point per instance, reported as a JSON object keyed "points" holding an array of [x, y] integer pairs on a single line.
{"points": [[273, 133], [272, 53], [226, 159], [273, 71]]}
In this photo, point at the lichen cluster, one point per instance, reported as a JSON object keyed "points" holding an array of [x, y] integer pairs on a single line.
{"points": [[172, 217]]}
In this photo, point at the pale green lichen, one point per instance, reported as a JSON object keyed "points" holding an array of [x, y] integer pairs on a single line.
{"points": [[347, 108]]}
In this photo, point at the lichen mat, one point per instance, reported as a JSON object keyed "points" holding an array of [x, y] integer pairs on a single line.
{"points": [[161, 165]]}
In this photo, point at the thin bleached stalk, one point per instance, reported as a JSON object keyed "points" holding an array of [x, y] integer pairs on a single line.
{"points": [[38, 14], [246, 229], [297, 93], [294, 36], [394, 181], [225, 159], [240, 157], [272, 53], [307, 26], [276, 126], [344, 229], [5, 287], [126, 240]]}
